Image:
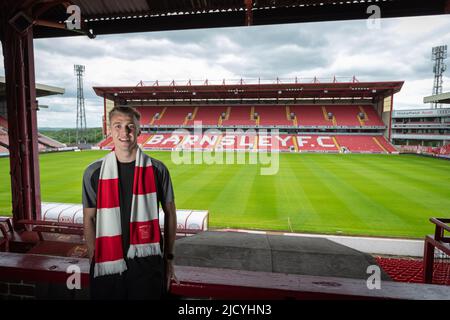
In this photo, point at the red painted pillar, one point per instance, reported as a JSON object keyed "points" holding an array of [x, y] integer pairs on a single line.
{"points": [[22, 119], [428, 261], [104, 115], [390, 117]]}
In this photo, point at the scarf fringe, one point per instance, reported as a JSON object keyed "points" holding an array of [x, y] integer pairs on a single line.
{"points": [[109, 267], [144, 250]]}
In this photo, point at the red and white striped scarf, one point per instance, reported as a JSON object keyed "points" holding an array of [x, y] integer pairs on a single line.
{"points": [[144, 223]]}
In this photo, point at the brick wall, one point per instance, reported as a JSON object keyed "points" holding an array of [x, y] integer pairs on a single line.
{"points": [[17, 290], [21, 290]]}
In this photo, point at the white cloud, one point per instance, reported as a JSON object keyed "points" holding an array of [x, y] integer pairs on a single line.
{"points": [[399, 50]]}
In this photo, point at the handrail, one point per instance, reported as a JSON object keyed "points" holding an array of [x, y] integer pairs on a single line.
{"points": [[441, 222]]}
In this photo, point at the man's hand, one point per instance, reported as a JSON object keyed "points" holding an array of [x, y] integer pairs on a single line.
{"points": [[89, 230], [170, 230], [170, 273]]}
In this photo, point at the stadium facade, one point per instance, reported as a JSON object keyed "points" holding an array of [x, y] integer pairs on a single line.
{"points": [[44, 143], [296, 115], [421, 127]]}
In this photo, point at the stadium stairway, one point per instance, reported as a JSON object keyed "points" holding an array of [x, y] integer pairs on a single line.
{"points": [[411, 270], [240, 116], [345, 115], [309, 116], [175, 116], [386, 144], [360, 143], [273, 116], [148, 113], [372, 118], [207, 115]]}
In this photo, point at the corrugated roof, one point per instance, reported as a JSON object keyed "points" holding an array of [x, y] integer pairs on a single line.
{"points": [[116, 16]]}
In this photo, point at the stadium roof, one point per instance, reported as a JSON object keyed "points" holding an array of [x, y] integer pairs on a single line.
{"points": [[251, 91], [438, 98], [42, 90], [116, 16]]}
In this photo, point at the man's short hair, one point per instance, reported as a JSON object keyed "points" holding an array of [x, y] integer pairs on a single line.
{"points": [[132, 112]]}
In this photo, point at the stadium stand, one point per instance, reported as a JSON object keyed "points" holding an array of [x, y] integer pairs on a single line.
{"points": [[148, 114], [165, 141], [411, 270], [386, 144], [371, 117], [361, 143], [282, 142], [3, 122], [143, 137], [49, 142], [200, 142], [346, 115], [310, 116], [302, 117], [445, 150], [175, 116], [208, 116], [273, 116], [105, 142], [44, 143], [240, 116], [3, 150], [4, 142]]}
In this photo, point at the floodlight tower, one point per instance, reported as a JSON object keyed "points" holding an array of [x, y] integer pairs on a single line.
{"points": [[81, 113], [439, 54]]}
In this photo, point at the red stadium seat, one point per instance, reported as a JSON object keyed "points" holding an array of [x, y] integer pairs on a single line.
{"points": [[273, 116]]}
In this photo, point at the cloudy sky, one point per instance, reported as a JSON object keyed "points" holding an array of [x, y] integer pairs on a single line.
{"points": [[399, 50]]}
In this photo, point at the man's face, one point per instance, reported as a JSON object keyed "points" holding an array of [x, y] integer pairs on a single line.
{"points": [[124, 131]]}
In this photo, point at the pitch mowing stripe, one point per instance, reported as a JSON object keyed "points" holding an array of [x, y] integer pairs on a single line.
{"points": [[342, 193], [382, 221], [229, 205], [367, 187], [291, 185], [415, 182], [177, 172], [439, 183], [420, 178], [414, 206], [263, 201], [204, 183], [348, 185], [423, 207]]}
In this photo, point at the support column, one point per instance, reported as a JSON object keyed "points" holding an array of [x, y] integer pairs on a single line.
{"points": [[22, 119], [390, 117], [104, 115], [248, 12]]}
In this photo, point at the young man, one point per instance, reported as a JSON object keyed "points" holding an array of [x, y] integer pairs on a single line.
{"points": [[121, 196]]}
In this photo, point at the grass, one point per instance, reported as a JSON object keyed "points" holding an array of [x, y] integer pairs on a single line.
{"points": [[355, 194]]}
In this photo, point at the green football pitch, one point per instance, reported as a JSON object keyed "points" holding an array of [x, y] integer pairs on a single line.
{"points": [[355, 194]]}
